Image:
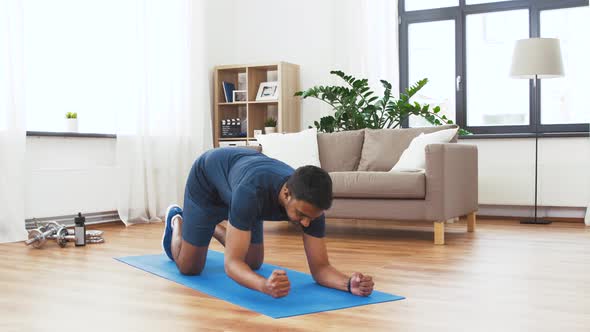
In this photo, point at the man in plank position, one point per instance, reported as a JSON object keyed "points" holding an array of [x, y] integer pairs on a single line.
{"points": [[246, 187]]}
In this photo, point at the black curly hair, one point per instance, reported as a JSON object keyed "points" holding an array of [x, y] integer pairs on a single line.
{"points": [[313, 185]]}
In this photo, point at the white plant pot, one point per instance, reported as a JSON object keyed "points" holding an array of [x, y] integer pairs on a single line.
{"points": [[72, 125], [270, 130]]}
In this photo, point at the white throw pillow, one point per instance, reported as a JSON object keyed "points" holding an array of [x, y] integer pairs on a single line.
{"points": [[296, 149], [414, 157]]}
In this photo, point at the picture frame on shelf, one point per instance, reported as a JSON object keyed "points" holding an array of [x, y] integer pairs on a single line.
{"points": [[240, 95], [268, 91]]}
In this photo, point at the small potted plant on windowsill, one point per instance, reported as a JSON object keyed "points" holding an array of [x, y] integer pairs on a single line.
{"points": [[72, 122], [270, 126]]}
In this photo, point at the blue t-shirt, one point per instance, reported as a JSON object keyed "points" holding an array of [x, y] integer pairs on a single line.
{"points": [[248, 184]]}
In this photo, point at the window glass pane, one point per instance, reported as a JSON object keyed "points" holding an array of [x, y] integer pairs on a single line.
{"points": [[475, 2], [431, 54], [565, 99], [493, 98], [77, 62], [429, 4]]}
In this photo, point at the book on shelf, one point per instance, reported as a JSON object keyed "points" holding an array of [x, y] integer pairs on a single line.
{"points": [[228, 91]]}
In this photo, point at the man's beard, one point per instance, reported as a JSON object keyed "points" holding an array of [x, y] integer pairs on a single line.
{"points": [[295, 223]]}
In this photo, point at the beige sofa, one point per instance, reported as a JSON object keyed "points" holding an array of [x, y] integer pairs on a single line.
{"points": [[359, 163]]}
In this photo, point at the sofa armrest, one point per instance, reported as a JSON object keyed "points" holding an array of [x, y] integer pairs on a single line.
{"points": [[451, 180]]}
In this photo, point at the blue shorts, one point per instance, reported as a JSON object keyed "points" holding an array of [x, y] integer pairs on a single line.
{"points": [[203, 209]]}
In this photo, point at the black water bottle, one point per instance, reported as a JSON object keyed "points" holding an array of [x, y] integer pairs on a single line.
{"points": [[80, 230]]}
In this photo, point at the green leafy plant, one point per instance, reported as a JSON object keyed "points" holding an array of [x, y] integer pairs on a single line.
{"points": [[71, 115], [357, 107], [270, 122]]}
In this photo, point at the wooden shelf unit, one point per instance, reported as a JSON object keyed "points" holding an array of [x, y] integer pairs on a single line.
{"points": [[286, 109]]}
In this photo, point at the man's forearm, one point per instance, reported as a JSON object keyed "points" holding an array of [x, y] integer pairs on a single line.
{"points": [[328, 276], [241, 273]]}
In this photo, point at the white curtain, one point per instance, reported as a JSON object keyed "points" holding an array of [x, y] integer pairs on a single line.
{"points": [[371, 34], [12, 127], [168, 124], [587, 217]]}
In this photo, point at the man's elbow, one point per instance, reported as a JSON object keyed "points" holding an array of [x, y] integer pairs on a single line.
{"points": [[226, 267], [317, 273]]}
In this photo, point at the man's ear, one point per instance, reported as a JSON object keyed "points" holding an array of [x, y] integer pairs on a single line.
{"points": [[286, 193]]}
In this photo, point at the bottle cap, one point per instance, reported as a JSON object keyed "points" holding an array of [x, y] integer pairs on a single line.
{"points": [[80, 219]]}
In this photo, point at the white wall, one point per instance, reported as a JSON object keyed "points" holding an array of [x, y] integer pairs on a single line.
{"points": [[77, 173], [317, 35], [507, 169], [507, 175]]}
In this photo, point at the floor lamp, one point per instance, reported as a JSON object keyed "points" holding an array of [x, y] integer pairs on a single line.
{"points": [[536, 58]]}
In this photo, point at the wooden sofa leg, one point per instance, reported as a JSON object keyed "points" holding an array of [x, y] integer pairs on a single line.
{"points": [[439, 232], [471, 222]]}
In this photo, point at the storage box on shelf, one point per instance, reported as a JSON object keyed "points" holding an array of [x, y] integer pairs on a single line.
{"points": [[232, 143]]}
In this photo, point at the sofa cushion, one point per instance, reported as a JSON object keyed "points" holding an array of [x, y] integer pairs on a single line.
{"points": [[382, 148], [408, 185], [341, 151], [414, 157], [294, 149]]}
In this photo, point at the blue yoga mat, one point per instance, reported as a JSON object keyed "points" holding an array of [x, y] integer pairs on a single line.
{"points": [[305, 297]]}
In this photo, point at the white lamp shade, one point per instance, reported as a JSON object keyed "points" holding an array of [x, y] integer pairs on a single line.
{"points": [[537, 58]]}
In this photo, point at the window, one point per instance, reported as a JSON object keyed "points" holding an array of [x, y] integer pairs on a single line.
{"points": [[565, 99], [493, 98], [428, 4], [475, 2], [76, 60], [432, 55], [465, 50]]}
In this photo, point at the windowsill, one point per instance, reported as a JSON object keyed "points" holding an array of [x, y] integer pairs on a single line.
{"points": [[475, 136], [64, 134], [526, 135]]}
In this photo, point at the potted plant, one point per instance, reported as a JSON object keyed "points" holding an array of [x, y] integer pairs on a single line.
{"points": [[270, 126], [357, 107], [72, 122]]}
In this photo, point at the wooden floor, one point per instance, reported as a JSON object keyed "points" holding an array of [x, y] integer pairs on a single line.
{"points": [[503, 277]]}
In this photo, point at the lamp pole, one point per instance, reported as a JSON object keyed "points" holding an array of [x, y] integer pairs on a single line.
{"points": [[536, 119], [536, 58]]}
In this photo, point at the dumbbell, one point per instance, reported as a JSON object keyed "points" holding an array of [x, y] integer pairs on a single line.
{"points": [[91, 233], [38, 236], [63, 236]]}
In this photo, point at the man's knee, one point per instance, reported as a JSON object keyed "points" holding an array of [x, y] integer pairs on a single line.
{"points": [[190, 265], [191, 259], [189, 269]]}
